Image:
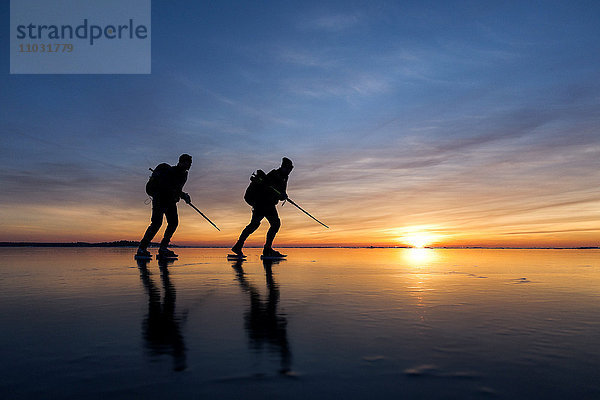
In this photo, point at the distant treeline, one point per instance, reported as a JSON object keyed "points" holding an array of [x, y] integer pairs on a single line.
{"points": [[120, 243]]}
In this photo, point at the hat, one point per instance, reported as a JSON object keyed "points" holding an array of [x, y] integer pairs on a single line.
{"points": [[287, 163], [185, 158]]}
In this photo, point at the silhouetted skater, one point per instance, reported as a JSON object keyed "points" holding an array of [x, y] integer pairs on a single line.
{"points": [[166, 188], [263, 194]]}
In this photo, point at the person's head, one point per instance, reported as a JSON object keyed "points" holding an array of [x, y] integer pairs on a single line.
{"points": [[185, 161], [286, 165]]}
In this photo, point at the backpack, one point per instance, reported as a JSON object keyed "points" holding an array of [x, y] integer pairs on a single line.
{"points": [[256, 188], [159, 180]]}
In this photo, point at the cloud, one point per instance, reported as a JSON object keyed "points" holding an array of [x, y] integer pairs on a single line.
{"points": [[68, 183], [597, 229], [306, 58], [332, 22], [344, 86]]}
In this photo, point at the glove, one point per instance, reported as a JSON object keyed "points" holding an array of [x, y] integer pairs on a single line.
{"points": [[186, 197]]}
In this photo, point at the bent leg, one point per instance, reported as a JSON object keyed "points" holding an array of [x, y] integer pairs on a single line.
{"points": [[250, 228], [172, 222], [155, 223], [273, 229]]}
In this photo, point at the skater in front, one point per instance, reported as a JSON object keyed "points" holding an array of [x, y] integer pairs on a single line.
{"points": [[166, 189], [263, 194]]}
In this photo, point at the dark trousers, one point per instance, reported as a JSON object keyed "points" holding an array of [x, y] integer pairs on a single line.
{"points": [[258, 213], [158, 210]]}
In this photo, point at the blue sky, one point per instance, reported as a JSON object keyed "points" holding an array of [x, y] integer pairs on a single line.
{"points": [[465, 119]]}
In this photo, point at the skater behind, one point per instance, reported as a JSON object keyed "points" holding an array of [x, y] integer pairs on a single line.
{"points": [[263, 194], [165, 186]]}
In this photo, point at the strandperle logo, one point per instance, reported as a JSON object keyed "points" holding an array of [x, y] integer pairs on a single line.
{"points": [[80, 37], [84, 31]]}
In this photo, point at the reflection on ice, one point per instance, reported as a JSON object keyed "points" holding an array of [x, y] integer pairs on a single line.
{"points": [[419, 257], [265, 326], [360, 323], [161, 328]]}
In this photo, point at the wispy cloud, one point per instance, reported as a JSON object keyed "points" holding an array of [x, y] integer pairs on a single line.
{"points": [[332, 22], [340, 86], [306, 58]]}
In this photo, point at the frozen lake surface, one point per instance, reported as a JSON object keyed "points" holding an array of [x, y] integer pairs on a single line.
{"points": [[325, 323]]}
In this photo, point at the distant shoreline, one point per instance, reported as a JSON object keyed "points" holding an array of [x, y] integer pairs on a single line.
{"points": [[133, 244]]}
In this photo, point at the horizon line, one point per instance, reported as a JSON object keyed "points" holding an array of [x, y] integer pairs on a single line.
{"points": [[130, 243]]}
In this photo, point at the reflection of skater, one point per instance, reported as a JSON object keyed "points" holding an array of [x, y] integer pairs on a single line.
{"points": [[165, 186], [264, 325], [161, 328], [263, 194]]}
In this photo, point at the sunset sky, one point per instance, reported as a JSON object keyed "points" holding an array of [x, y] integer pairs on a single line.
{"points": [[413, 122]]}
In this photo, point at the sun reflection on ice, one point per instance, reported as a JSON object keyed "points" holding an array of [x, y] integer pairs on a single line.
{"points": [[419, 280], [418, 257]]}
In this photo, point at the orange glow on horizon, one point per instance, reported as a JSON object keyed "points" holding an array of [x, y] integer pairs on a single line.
{"points": [[88, 223]]}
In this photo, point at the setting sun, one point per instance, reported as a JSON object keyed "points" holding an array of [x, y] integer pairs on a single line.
{"points": [[418, 240], [418, 236]]}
